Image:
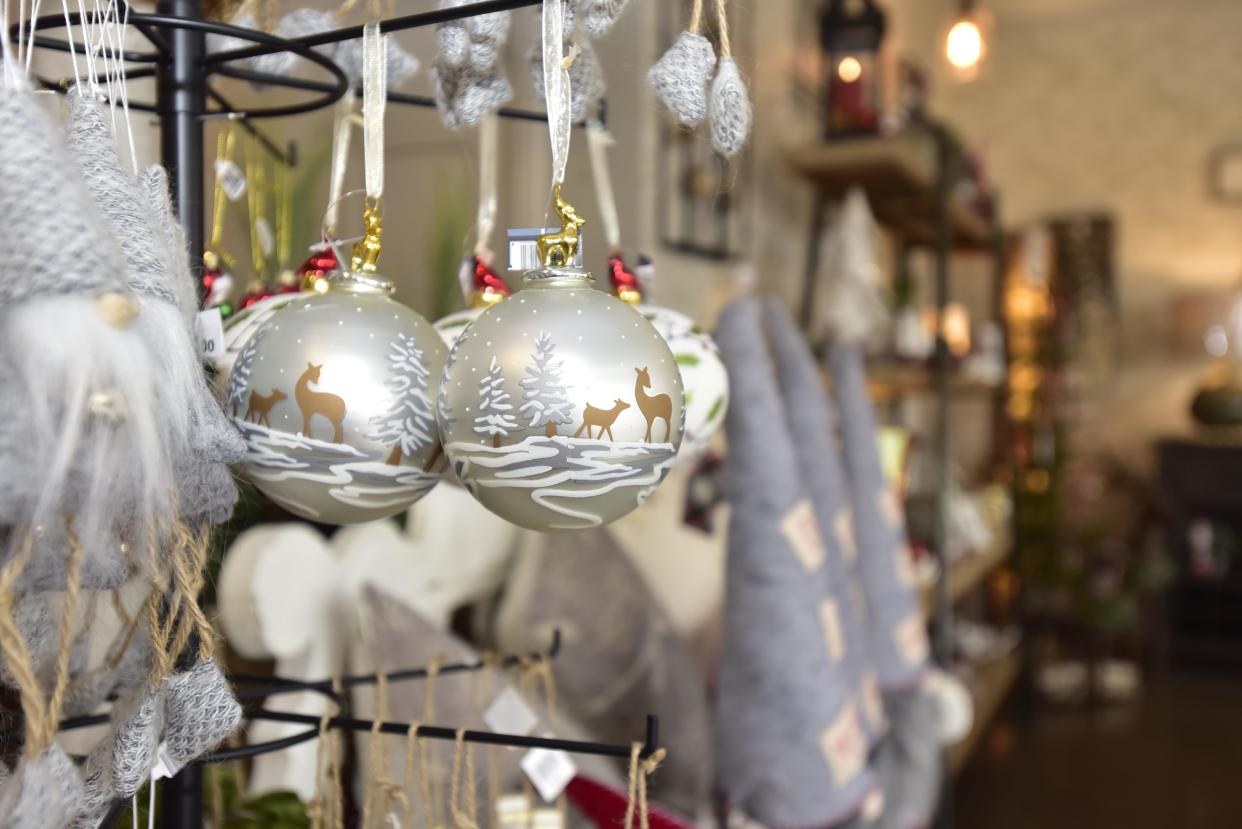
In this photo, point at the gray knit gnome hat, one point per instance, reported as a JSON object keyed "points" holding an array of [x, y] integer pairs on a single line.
{"points": [[810, 417], [791, 747], [203, 442], [898, 633]]}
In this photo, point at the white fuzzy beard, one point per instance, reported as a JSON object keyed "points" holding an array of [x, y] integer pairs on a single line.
{"points": [[105, 461]]}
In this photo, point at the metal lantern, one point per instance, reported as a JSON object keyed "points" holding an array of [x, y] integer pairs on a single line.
{"points": [[850, 34]]}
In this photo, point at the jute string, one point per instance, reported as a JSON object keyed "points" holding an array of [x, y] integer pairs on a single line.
{"points": [[722, 25], [42, 715], [382, 793], [325, 808], [466, 817], [433, 773], [696, 17], [416, 782], [636, 799], [492, 661]]}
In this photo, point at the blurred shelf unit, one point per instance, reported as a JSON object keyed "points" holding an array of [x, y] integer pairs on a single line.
{"points": [[900, 176], [968, 573], [989, 687], [888, 381]]}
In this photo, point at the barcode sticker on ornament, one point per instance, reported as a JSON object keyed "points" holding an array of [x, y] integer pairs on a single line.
{"points": [[549, 770], [232, 180], [801, 530], [264, 231], [165, 766], [524, 248], [509, 714], [209, 328]]}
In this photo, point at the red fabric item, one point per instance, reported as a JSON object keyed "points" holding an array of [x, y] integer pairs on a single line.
{"points": [[486, 280], [623, 279], [605, 806]]}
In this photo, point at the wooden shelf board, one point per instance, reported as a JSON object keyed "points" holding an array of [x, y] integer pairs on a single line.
{"points": [[888, 381], [967, 574], [898, 175], [991, 686]]}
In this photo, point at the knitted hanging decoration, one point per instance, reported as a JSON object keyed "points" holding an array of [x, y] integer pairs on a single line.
{"points": [[586, 78], [598, 16], [728, 105], [790, 742], [200, 711], [681, 75], [466, 76], [810, 417]]}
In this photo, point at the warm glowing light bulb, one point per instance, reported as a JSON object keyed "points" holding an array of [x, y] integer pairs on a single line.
{"points": [[964, 46], [849, 69]]}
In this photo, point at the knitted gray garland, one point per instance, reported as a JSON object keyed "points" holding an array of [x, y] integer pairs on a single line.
{"points": [[43, 791], [586, 78], [466, 79]]}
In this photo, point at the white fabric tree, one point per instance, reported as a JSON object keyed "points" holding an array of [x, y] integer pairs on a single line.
{"points": [[410, 422], [494, 406], [852, 306], [547, 403], [239, 378]]}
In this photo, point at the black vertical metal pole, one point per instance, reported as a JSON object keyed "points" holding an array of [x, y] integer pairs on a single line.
{"points": [[182, 102], [810, 277], [181, 93], [943, 625]]}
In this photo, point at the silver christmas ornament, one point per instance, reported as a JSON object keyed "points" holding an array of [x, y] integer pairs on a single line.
{"points": [[561, 407], [335, 395]]}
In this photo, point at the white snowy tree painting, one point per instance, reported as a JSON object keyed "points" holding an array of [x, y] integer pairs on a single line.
{"points": [[239, 378], [409, 424], [547, 403], [494, 419]]}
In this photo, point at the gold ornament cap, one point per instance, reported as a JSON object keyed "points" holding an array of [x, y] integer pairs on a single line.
{"points": [[559, 249]]}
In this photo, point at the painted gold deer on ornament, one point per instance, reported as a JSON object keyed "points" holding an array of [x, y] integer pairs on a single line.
{"points": [[601, 418], [260, 405], [556, 250], [653, 406], [317, 402]]}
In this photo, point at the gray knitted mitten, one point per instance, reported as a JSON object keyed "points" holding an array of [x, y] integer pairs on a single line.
{"points": [[122, 761], [680, 77], [729, 109], [200, 711], [401, 64], [790, 743], [43, 791]]}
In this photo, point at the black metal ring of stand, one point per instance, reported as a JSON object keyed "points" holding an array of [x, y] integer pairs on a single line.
{"points": [[149, 23]]}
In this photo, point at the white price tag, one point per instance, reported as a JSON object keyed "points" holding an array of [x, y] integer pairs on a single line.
{"points": [[263, 230], [509, 714], [209, 329], [549, 771], [165, 766], [232, 179]]}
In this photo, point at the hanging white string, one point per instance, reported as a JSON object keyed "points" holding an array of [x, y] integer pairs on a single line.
{"points": [[374, 100], [88, 51], [129, 124], [485, 220], [556, 85], [34, 14], [341, 138], [73, 52], [6, 50], [598, 142]]}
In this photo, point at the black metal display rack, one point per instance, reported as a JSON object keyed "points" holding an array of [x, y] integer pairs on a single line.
{"points": [[186, 98]]}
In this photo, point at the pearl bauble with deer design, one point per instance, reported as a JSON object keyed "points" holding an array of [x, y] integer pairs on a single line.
{"points": [[561, 407], [335, 394]]}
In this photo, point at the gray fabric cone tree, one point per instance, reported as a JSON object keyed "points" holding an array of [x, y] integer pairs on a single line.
{"points": [[790, 743], [623, 660], [810, 417]]}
